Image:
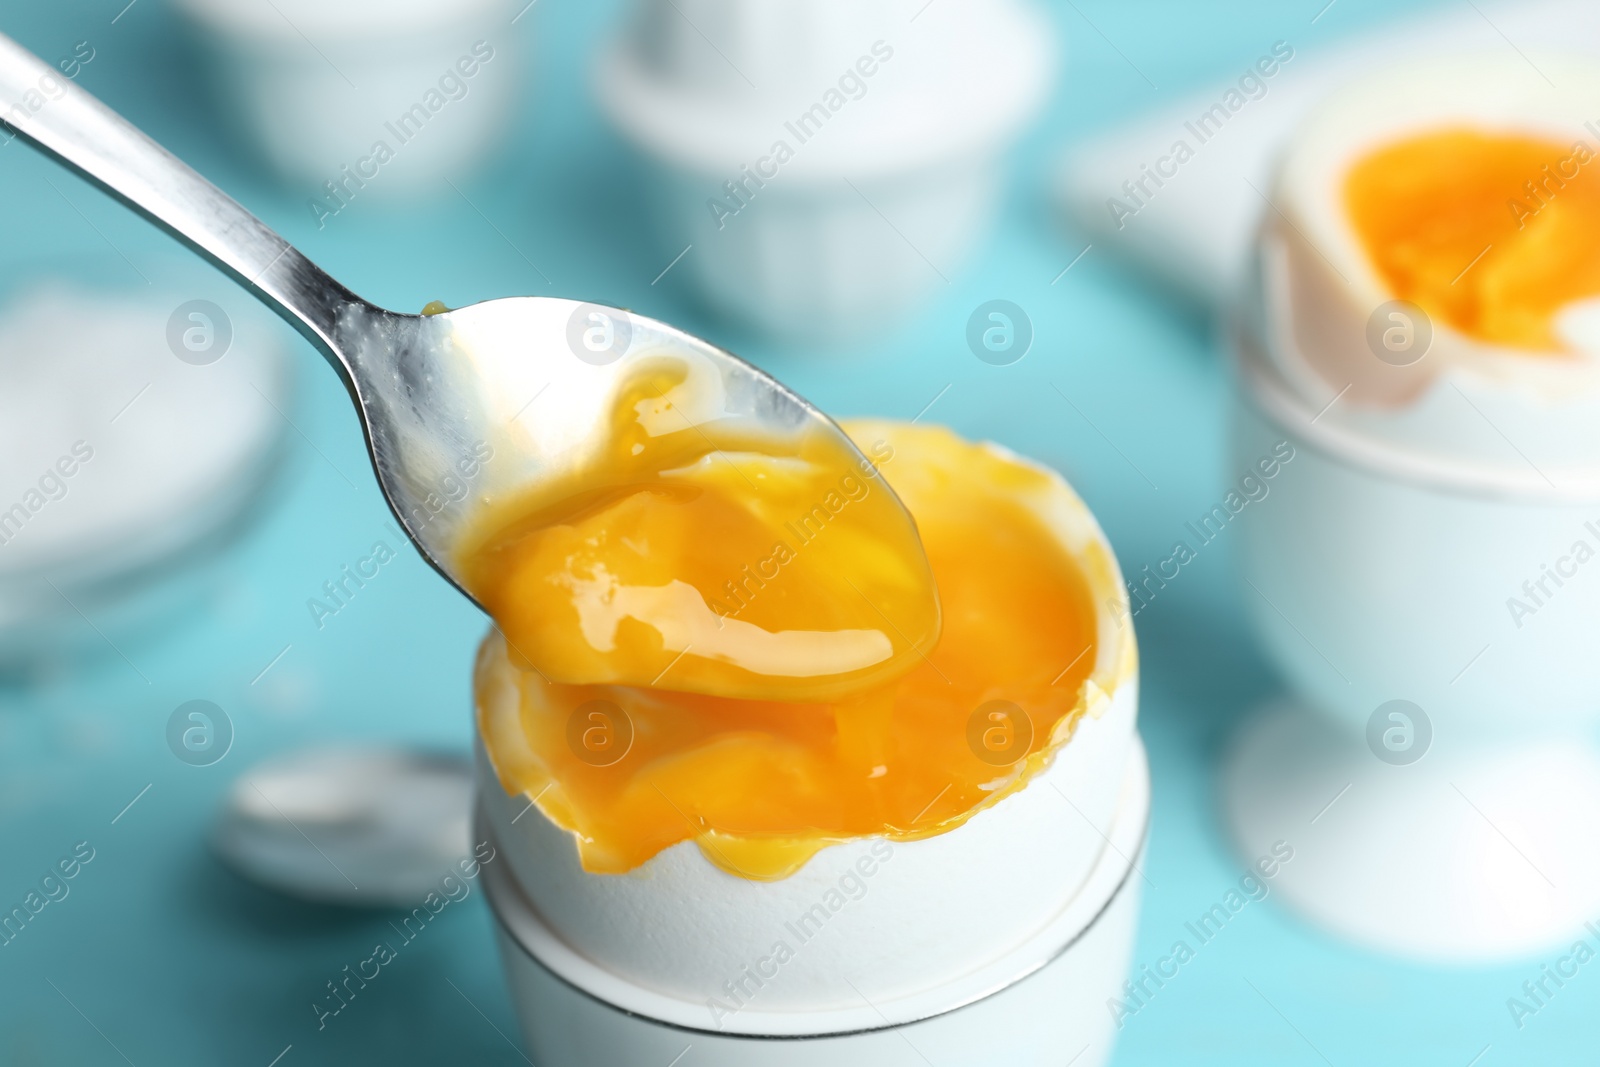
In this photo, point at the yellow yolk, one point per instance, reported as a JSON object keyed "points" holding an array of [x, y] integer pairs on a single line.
{"points": [[700, 554], [762, 785], [1427, 208]]}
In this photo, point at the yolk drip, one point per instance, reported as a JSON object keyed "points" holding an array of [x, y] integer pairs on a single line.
{"points": [[1427, 208], [762, 785], [701, 554]]}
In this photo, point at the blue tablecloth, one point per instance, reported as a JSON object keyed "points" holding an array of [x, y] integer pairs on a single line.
{"points": [[159, 956]]}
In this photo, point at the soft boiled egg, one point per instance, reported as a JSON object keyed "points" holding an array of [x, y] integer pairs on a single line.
{"points": [[1431, 240], [870, 844], [700, 553]]}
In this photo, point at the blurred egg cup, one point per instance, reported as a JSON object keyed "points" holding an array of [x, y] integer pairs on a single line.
{"points": [[821, 168], [1437, 767], [330, 95], [1416, 576]]}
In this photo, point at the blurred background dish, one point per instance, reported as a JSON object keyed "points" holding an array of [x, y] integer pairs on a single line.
{"points": [[137, 432], [1417, 342], [822, 168], [362, 826], [362, 98]]}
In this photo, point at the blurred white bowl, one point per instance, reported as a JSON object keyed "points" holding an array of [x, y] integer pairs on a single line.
{"points": [[121, 462], [319, 85]]}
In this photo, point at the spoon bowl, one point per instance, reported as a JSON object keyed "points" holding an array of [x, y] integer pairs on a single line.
{"points": [[494, 398]]}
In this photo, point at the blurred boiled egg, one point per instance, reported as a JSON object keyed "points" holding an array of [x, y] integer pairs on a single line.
{"points": [[1431, 239]]}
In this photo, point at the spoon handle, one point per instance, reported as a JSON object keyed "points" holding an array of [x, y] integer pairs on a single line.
{"points": [[68, 124]]}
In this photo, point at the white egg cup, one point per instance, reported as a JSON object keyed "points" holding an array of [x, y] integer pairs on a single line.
{"points": [[927, 911], [892, 132], [318, 88], [1041, 1002], [1380, 573]]}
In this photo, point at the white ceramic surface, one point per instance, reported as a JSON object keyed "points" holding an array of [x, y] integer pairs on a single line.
{"points": [[318, 84], [1045, 1003], [891, 117]]}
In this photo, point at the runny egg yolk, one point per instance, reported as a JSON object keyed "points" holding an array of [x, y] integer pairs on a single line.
{"points": [[762, 784], [700, 553], [1492, 233]]}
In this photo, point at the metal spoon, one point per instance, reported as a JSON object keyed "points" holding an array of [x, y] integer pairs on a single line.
{"points": [[494, 396]]}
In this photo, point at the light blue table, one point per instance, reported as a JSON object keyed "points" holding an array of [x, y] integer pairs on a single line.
{"points": [[160, 957]]}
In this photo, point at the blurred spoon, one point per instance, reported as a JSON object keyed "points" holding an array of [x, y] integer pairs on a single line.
{"points": [[366, 826]]}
